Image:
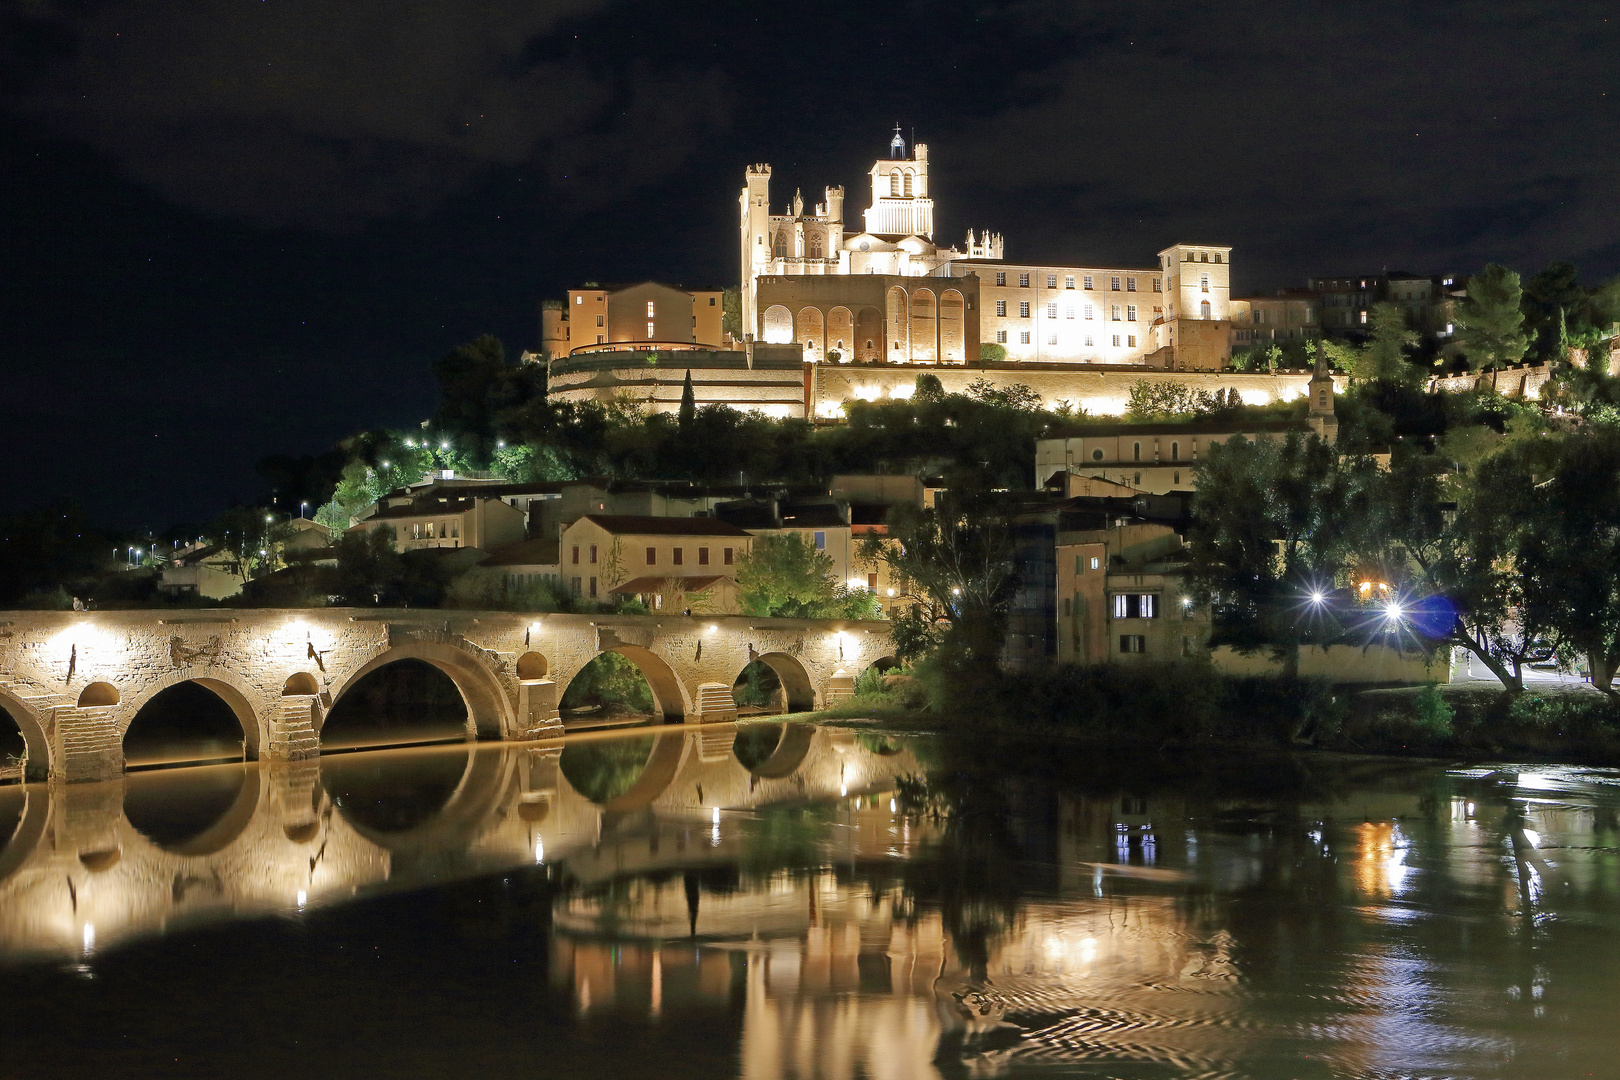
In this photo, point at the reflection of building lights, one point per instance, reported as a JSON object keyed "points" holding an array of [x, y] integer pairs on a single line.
{"points": [[893, 806], [303, 897], [89, 937], [714, 629], [1533, 836], [717, 815], [843, 791], [539, 850]]}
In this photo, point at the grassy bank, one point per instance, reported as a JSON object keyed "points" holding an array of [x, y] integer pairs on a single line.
{"points": [[1184, 705]]}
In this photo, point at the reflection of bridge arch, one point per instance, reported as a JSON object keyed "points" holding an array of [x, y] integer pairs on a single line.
{"points": [[489, 712], [789, 754], [485, 780], [663, 765], [19, 846], [38, 746], [796, 685], [216, 837], [236, 694]]}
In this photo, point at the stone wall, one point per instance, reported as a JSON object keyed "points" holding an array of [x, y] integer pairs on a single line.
{"points": [[74, 681], [1520, 381]]}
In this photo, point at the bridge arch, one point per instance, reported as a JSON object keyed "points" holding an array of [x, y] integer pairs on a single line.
{"points": [[663, 765], [795, 680], [36, 744], [149, 804], [666, 688], [237, 695], [300, 684], [489, 710], [483, 777]]}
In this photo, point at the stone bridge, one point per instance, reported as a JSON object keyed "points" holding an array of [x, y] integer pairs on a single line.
{"points": [[89, 865], [74, 681]]}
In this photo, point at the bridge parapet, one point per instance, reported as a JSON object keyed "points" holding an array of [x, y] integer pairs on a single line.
{"points": [[75, 681]]}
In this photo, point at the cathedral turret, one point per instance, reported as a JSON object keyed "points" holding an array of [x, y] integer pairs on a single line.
{"points": [[1321, 416], [897, 146], [835, 207], [754, 229]]}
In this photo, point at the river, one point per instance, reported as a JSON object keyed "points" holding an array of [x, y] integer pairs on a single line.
{"points": [[771, 902]]}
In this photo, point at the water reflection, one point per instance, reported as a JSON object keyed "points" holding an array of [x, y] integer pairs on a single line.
{"points": [[784, 901]]}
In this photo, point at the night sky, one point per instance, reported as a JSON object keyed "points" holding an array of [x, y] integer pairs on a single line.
{"points": [[231, 228]]}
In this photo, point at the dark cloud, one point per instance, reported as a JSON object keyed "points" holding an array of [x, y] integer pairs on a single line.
{"points": [[302, 112], [1368, 131]]}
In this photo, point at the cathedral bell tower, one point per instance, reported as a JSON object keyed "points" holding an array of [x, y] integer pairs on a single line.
{"points": [[1321, 416], [901, 205]]}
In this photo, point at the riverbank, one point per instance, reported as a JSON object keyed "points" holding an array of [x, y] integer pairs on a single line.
{"points": [[1190, 706]]}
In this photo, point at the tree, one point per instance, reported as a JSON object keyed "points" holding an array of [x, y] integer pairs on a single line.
{"points": [[1554, 305], [1491, 319], [369, 569], [992, 353], [956, 561], [688, 411], [478, 387], [1384, 356], [1567, 490], [1017, 396], [1273, 527], [784, 575], [731, 313]]}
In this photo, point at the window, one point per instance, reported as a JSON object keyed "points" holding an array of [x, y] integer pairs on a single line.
{"points": [[1068, 281], [1203, 310], [1001, 277], [652, 556], [1001, 308], [1114, 284], [600, 339], [1217, 256], [821, 541], [579, 299], [576, 555], [1051, 281], [1116, 341], [1077, 568], [1130, 312], [1001, 337], [894, 184], [599, 319], [679, 554], [1156, 285], [649, 309], [703, 556], [1089, 341], [1023, 309], [871, 582], [1203, 283], [1051, 311], [1095, 562], [726, 556], [1175, 451], [1136, 605], [1068, 604], [1023, 337], [1088, 282], [1051, 339], [593, 553], [1090, 311], [1130, 284], [1203, 256], [711, 301], [1130, 341], [1136, 451], [1132, 643], [1023, 281], [1096, 455], [573, 586], [1113, 312], [650, 334], [1068, 311], [593, 588]]}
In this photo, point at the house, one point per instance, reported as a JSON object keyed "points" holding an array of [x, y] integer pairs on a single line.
{"points": [[532, 562], [446, 518], [654, 558]]}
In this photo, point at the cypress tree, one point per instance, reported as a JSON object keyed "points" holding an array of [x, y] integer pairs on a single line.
{"points": [[688, 411]]}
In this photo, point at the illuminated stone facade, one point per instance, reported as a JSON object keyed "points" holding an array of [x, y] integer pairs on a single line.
{"points": [[74, 681]]}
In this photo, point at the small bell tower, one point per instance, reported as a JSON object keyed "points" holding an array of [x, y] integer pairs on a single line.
{"points": [[1321, 415]]}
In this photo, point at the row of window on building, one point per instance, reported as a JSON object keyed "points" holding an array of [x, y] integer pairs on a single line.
{"points": [[436, 530], [1088, 312], [1088, 282], [1052, 339], [678, 555]]}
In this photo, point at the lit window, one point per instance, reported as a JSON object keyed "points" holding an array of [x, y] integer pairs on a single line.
{"points": [[579, 299], [1116, 341], [1051, 311], [1095, 562], [1090, 312], [1051, 339], [1023, 281], [1089, 342], [1203, 309], [1068, 281], [1051, 281], [649, 309], [1023, 309], [1203, 283], [1068, 311], [1130, 284], [1001, 277], [1114, 284], [1023, 337], [821, 541], [1130, 312], [1001, 307], [1130, 340], [649, 331], [1113, 312], [1136, 605], [1156, 285], [1001, 337], [1088, 282]]}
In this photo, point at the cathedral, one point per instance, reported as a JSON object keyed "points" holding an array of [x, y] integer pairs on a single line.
{"points": [[896, 295]]}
